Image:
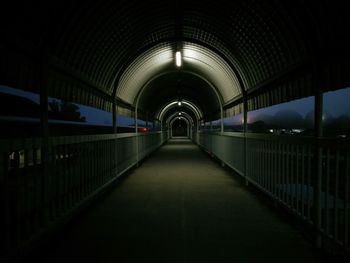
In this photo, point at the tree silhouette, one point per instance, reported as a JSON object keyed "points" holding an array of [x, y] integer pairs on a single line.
{"points": [[64, 110]]}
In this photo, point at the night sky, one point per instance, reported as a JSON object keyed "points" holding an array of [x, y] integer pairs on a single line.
{"points": [[336, 103]]}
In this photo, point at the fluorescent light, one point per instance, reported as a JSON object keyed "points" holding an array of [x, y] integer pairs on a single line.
{"points": [[179, 113], [178, 58], [179, 103]]}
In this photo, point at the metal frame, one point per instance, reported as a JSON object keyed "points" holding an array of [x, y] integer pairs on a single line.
{"points": [[77, 168], [187, 122]]}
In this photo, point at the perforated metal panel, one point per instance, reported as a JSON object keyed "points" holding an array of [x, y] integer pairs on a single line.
{"points": [[196, 58], [94, 41]]}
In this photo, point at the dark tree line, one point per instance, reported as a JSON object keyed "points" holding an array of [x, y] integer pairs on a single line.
{"points": [[63, 110]]}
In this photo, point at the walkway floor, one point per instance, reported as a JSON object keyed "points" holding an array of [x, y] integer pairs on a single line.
{"points": [[180, 206]]}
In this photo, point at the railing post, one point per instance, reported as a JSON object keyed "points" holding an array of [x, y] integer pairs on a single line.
{"points": [[44, 125], [114, 113], [115, 130], [318, 168], [136, 138], [245, 118]]}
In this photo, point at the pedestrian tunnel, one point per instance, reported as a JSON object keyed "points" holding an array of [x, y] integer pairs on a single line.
{"points": [[88, 92]]}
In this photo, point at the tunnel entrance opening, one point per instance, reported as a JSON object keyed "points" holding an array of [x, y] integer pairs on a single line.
{"points": [[179, 128]]}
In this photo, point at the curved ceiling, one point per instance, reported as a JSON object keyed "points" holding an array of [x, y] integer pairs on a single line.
{"points": [[89, 45], [197, 59], [183, 115], [180, 105], [178, 85]]}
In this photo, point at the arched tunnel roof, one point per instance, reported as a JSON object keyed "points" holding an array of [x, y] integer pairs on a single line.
{"points": [[93, 50], [197, 60]]}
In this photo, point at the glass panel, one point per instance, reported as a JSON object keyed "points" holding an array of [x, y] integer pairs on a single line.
{"points": [[292, 118], [234, 123], [336, 113], [216, 125], [19, 113], [68, 118], [125, 124]]}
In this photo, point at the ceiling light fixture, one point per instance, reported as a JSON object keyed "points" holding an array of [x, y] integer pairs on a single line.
{"points": [[178, 59]]}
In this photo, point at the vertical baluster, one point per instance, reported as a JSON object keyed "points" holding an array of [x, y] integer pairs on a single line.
{"points": [[273, 168], [292, 176], [55, 179], [25, 195], [73, 159], [69, 193], [88, 170], [70, 181], [297, 179], [16, 209], [74, 164], [85, 179], [284, 173], [64, 178], [103, 162], [41, 187], [105, 168], [59, 179], [109, 154], [336, 194], [303, 182], [69, 189], [255, 159], [49, 183], [93, 166], [327, 193], [346, 200], [31, 189], [78, 172], [268, 166], [35, 182], [308, 192], [96, 165], [265, 165], [86, 174], [74, 173], [260, 164], [279, 175], [81, 169], [5, 203]]}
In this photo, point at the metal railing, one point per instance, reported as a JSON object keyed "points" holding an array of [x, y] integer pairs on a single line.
{"points": [[42, 182], [285, 167]]}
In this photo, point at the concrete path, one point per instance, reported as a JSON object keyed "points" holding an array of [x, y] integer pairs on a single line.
{"points": [[180, 206]]}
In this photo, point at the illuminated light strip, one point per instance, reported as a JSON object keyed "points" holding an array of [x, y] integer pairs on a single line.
{"points": [[178, 59], [159, 57], [194, 108], [184, 115], [173, 120]]}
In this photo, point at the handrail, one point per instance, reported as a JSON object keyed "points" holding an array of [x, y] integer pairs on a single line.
{"points": [[284, 167], [72, 171]]}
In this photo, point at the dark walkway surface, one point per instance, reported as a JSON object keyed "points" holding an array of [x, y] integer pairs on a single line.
{"points": [[180, 206]]}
